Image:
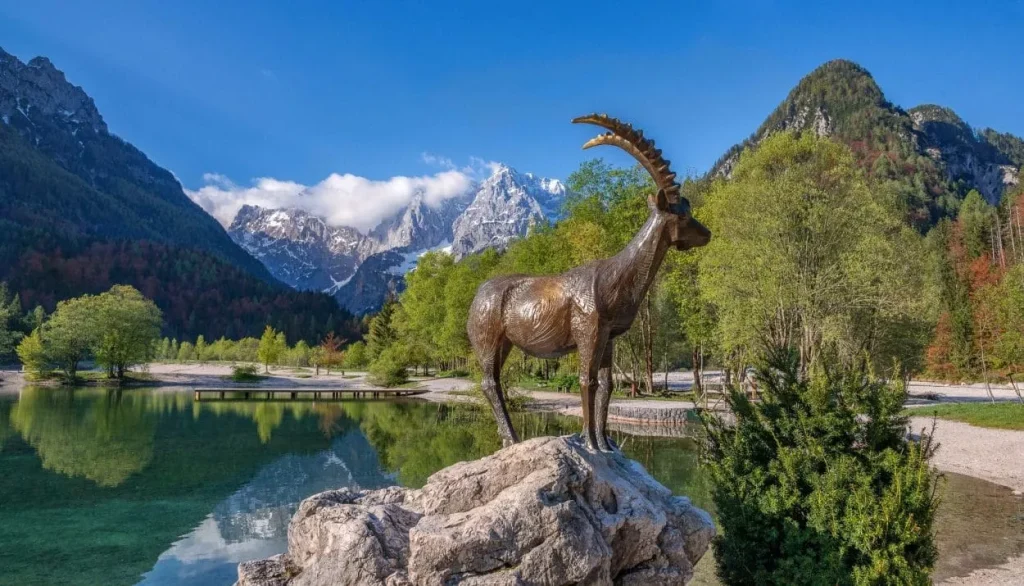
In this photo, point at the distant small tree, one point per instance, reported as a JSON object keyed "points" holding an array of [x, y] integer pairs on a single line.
{"points": [[389, 369], [356, 356], [186, 352], [270, 347], [35, 318], [316, 358], [10, 311], [329, 346], [202, 349], [32, 353], [818, 484], [299, 355]]}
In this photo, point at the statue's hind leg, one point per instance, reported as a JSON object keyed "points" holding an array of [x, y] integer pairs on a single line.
{"points": [[604, 396], [491, 360]]}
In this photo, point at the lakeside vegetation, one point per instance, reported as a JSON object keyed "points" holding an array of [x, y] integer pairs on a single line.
{"points": [[818, 483]]}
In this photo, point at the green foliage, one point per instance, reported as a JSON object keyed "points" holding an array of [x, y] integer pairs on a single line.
{"points": [[272, 345], [806, 255], [70, 333], [381, 332], [32, 353], [127, 324], [244, 373], [10, 310], [356, 356], [976, 219], [389, 368], [817, 483]]}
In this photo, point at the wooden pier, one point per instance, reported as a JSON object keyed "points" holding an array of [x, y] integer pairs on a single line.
{"points": [[288, 394]]}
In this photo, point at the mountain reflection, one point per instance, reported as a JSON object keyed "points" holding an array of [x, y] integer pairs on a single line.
{"points": [[150, 485]]}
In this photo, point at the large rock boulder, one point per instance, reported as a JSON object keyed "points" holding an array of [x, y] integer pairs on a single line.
{"points": [[545, 511]]}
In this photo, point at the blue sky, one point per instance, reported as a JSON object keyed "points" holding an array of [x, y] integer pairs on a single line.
{"points": [[300, 90]]}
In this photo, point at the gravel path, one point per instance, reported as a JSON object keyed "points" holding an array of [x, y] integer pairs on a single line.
{"points": [[1009, 574], [996, 455]]}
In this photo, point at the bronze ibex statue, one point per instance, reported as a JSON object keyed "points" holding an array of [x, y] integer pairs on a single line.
{"points": [[587, 307]]}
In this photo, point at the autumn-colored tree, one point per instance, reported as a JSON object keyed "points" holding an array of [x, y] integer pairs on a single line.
{"points": [[329, 346]]}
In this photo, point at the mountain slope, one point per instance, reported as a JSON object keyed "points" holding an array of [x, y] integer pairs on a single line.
{"points": [[929, 156], [81, 210], [298, 248], [504, 207], [65, 171]]}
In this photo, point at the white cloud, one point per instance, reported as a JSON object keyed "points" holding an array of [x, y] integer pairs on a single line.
{"points": [[342, 199]]}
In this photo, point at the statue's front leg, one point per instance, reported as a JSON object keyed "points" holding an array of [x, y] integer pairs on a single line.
{"points": [[591, 339], [604, 397]]}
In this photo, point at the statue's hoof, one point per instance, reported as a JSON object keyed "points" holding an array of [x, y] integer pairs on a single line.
{"points": [[608, 445]]}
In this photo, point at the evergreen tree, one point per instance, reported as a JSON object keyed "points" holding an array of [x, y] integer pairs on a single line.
{"points": [[818, 483]]}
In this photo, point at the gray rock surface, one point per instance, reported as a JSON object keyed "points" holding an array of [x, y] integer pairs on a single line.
{"points": [[545, 511], [504, 207]]}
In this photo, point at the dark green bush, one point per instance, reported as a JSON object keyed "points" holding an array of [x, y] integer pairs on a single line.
{"points": [[388, 370], [244, 374], [818, 484]]}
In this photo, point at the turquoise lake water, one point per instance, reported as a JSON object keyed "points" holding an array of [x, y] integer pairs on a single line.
{"points": [[150, 487]]}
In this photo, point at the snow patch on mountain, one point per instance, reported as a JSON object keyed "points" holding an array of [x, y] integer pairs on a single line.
{"points": [[361, 268]]}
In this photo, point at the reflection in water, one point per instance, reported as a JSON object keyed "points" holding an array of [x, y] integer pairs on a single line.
{"points": [[148, 485], [105, 440]]}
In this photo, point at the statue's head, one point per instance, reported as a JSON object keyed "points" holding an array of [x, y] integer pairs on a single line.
{"points": [[684, 231]]}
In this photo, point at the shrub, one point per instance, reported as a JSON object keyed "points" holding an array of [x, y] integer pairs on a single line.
{"points": [[32, 353], [818, 484], [244, 373], [388, 370]]}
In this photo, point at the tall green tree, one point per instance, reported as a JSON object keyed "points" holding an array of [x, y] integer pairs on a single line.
{"points": [[70, 333], [32, 353], [270, 347], [127, 326], [382, 332], [10, 310], [806, 255]]}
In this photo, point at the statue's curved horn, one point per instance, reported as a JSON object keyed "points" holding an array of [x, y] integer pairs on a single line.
{"points": [[633, 142]]}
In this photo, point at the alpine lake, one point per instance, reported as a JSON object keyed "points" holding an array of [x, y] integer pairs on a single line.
{"points": [[148, 486]]}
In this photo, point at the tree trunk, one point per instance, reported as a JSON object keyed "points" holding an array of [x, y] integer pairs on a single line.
{"points": [[698, 387], [1016, 389]]}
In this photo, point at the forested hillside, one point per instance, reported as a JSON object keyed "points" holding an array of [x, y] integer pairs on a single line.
{"points": [[927, 157], [81, 210]]}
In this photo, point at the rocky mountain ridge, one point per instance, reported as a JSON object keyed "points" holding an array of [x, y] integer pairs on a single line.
{"points": [[97, 185], [82, 210], [939, 155], [361, 269]]}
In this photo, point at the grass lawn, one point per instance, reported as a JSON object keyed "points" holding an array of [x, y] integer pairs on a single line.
{"points": [[995, 415]]}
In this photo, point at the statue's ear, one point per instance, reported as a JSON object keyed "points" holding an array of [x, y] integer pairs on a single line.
{"points": [[661, 201]]}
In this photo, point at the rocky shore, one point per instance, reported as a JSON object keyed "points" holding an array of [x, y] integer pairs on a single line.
{"points": [[545, 511]]}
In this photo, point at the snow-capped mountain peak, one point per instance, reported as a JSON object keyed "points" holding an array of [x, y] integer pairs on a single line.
{"points": [[306, 252]]}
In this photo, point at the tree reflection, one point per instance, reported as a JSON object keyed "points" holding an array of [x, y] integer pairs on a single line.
{"points": [[103, 436]]}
